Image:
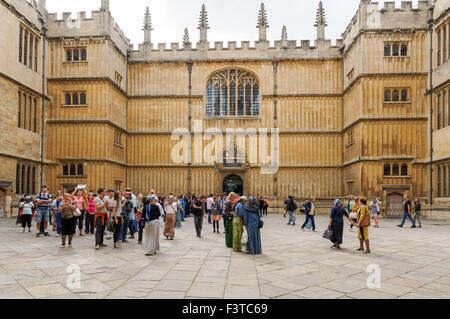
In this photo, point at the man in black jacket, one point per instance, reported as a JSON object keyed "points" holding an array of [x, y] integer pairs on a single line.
{"points": [[291, 208]]}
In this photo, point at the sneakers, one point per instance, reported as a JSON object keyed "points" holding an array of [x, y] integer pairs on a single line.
{"points": [[400, 226], [97, 247], [46, 234], [413, 226]]}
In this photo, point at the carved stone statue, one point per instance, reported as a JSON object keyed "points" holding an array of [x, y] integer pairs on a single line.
{"points": [[230, 187]]}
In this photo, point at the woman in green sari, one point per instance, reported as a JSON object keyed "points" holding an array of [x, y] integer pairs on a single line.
{"points": [[238, 224], [229, 212]]}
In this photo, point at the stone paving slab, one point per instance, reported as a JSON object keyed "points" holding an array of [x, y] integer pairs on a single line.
{"points": [[295, 264]]}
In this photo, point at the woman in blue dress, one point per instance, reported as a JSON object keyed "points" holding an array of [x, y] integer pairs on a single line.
{"points": [[336, 223], [251, 222]]}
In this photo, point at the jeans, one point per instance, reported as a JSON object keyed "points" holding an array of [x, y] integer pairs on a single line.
{"points": [[291, 218], [90, 223], [80, 219], [209, 211], [117, 230], [100, 231], [313, 224], [132, 227], [42, 215], [124, 228], [58, 223], [183, 214], [198, 222], [405, 214]]}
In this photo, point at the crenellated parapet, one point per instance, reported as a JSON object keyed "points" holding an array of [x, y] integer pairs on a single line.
{"points": [[288, 50], [389, 17], [100, 24]]}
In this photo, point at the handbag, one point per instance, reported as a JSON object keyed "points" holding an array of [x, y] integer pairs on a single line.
{"points": [[111, 225], [327, 234], [261, 224], [77, 213]]}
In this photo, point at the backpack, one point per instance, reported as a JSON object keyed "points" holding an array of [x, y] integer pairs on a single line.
{"points": [[305, 210], [292, 206]]}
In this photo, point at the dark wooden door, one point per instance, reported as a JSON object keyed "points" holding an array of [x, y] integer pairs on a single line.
{"points": [[394, 205]]}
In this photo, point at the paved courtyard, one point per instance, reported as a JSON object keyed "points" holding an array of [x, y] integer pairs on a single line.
{"points": [[414, 263]]}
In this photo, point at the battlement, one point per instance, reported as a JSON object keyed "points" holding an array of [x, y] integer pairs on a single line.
{"points": [[371, 15], [100, 23], [259, 51]]}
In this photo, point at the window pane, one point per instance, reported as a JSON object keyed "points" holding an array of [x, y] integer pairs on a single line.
{"points": [[387, 96], [33, 180], [241, 100], [439, 190], [30, 109], [35, 56], [256, 99], [404, 95], [387, 170], [439, 48], [404, 50], [75, 99], [24, 115], [69, 55], [404, 170], [25, 48], [209, 100], [224, 95], [444, 181], [22, 180], [20, 45], [83, 55], [395, 96], [30, 62], [232, 99], [19, 115], [18, 179], [72, 170], [395, 170], [65, 170], [28, 180], [439, 111], [395, 50], [216, 100], [35, 115], [248, 99], [67, 99], [80, 170], [76, 55], [83, 98], [387, 50]]}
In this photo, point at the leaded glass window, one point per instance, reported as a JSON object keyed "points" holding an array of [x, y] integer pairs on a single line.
{"points": [[232, 92]]}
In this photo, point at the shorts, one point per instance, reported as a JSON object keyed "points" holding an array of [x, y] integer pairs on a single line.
{"points": [[42, 216]]}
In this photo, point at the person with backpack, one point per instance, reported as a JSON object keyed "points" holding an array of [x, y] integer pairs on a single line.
{"points": [[291, 208], [310, 212]]}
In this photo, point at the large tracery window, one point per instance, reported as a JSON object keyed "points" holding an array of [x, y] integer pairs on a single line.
{"points": [[232, 92]]}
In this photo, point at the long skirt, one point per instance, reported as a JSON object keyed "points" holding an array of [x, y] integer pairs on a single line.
{"points": [[338, 230], [169, 227], [178, 219], [229, 233], [238, 230], [151, 237], [254, 240]]}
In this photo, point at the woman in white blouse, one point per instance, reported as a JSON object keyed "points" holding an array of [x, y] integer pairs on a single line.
{"points": [[170, 209]]}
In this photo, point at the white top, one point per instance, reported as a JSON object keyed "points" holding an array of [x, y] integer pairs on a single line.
{"points": [[313, 208], [26, 209], [171, 209]]}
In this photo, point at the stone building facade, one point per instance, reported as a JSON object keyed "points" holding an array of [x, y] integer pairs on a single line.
{"points": [[350, 117]]}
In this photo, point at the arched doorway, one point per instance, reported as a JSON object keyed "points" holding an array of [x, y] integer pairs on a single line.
{"points": [[394, 205], [236, 181]]}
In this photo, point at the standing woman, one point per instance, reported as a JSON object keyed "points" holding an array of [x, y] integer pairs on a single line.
{"points": [[178, 212], [252, 219], [229, 212], [80, 197], [375, 211], [363, 226], [238, 224], [170, 209], [417, 208], [118, 218], [150, 216], [27, 213], [336, 223], [90, 215], [140, 223], [68, 220], [216, 214]]}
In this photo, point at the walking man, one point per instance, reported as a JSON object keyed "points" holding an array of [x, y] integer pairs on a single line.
{"points": [[291, 208], [43, 201], [407, 213], [209, 203], [310, 212], [198, 211]]}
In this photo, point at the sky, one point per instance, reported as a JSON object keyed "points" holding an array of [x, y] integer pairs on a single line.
{"points": [[229, 20]]}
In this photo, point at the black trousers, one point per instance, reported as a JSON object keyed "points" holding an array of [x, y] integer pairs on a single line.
{"points": [[198, 222], [80, 219], [26, 221], [100, 231], [117, 230], [216, 225], [141, 231], [313, 224], [90, 223]]}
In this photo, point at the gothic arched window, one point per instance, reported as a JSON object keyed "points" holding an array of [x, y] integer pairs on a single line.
{"points": [[75, 100], [395, 96], [232, 92], [404, 95], [404, 170], [404, 50], [395, 50], [68, 99], [395, 170], [83, 54], [387, 96], [387, 170], [69, 55], [387, 50]]}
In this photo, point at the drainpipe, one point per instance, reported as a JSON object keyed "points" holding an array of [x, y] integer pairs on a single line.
{"points": [[44, 35], [430, 23]]}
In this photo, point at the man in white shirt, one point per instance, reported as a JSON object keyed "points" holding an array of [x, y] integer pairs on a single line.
{"points": [[209, 203]]}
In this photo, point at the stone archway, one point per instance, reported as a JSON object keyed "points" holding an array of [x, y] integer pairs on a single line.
{"points": [[237, 181]]}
